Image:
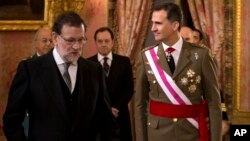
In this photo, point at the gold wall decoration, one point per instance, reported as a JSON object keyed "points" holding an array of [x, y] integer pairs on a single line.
{"points": [[52, 8], [241, 109], [27, 24]]}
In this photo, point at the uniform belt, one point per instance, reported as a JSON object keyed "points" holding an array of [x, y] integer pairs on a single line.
{"points": [[199, 111]]}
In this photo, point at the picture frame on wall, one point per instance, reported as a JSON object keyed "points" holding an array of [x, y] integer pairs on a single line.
{"points": [[241, 77], [24, 14]]}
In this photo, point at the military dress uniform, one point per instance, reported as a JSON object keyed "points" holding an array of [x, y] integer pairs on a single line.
{"points": [[195, 75]]}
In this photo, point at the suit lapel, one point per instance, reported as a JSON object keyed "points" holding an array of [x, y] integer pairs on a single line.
{"points": [[184, 59], [50, 79], [162, 61], [113, 68]]}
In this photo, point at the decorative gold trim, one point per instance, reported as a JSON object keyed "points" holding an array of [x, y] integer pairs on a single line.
{"points": [[27, 24], [240, 116], [237, 44], [52, 8]]}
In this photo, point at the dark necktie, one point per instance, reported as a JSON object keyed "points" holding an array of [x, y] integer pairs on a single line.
{"points": [[106, 65], [66, 75], [170, 59]]}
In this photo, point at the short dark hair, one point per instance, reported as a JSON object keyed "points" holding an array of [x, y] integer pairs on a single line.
{"points": [[67, 18], [173, 10], [201, 34], [102, 29]]}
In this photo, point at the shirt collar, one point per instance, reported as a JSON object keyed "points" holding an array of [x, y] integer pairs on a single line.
{"points": [[177, 46], [58, 58], [100, 57]]}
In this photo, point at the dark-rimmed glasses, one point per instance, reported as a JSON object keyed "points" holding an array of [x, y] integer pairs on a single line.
{"points": [[73, 41]]}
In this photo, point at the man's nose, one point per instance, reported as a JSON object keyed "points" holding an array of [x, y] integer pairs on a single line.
{"points": [[153, 28], [76, 45]]}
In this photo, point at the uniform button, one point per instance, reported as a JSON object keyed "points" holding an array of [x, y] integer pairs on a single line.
{"points": [[154, 81], [175, 119], [149, 123]]}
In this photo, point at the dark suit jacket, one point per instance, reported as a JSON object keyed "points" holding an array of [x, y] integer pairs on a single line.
{"points": [[120, 90], [155, 128], [37, 88]]}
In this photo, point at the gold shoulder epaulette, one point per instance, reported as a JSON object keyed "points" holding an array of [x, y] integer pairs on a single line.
{"points": [[223, 107], [29, 57]]}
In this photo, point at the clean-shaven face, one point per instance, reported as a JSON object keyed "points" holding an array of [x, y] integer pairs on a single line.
{"points": [[43, 41], [162, 28], [104, 42]]}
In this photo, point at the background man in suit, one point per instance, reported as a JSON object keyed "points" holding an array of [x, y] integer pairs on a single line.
{"points": [[43, 41], [197, 36], [119, 80], [63, 93], [187, 34], [169, 98]]}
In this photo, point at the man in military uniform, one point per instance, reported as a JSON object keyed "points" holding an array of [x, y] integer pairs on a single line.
{"points": [[176, 85], [197, 38]]}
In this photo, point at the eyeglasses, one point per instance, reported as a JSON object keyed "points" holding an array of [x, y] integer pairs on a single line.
{"points": [[73, 41]]}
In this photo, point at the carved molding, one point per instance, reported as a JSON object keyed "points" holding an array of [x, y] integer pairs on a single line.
{"points": [[239, 115], [52, 8]]}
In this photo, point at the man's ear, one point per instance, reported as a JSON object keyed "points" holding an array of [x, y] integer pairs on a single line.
{"points": [[54, 37], [175, 25]]}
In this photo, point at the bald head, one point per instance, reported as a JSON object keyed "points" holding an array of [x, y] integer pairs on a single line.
{"points": [[186, 34], [43, 41]]}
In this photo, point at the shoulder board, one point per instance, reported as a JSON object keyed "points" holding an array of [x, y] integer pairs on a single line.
{"points": [[200, 45], [147, 48], [29, 57]]}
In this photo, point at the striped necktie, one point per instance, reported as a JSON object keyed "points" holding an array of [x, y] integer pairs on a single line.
{"points": [[66, 75], [106, 65]]}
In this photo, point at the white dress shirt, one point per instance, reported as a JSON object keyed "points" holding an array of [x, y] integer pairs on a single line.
{"points": [[72, 68], [177, 46]]}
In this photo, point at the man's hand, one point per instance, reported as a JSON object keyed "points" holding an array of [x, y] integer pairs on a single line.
{"points": [[225, 127], [115, 112]]}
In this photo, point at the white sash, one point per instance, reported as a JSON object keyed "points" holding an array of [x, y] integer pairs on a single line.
{"points": [[172, 91]]}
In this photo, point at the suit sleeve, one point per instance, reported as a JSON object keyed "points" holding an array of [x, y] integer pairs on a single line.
{"points": [[16, 106], [212, 95], [141, 100]]}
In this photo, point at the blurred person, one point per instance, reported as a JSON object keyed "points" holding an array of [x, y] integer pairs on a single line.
{"points": [[119, 80], [176, 85], [42, 41], [64, 94], [197, 36], [187, 34]]}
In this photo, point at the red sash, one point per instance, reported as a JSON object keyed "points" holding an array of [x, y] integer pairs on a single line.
{"points": [[199, 111]]}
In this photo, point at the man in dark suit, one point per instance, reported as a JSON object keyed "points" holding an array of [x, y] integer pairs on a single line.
{"points": [[176, 85], [42, 43], [119, 80], [63, 93]]}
